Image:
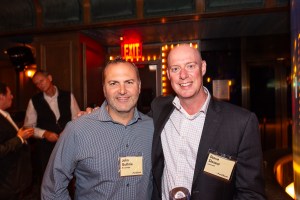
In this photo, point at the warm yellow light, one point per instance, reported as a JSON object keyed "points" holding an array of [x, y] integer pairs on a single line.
{"points": [[296, 167], [164, 84], [191, 45], [163, 60], [164, 90], [163, 48], [111, 57], [208, 79], [172, 46], [290, 190], [229, 82], [163, 66], [196, 46], [154, 57], [163, 78], [163, 54], [280, 59], [163, 72], [148, 58], [143, 58], [166, 46], [30, 72]]}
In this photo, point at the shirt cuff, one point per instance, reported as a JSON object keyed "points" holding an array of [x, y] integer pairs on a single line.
{"points": [[22, 140], [38, 133]]}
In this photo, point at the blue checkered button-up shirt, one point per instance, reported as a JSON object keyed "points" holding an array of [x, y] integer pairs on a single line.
{"points": [[90, 148]]}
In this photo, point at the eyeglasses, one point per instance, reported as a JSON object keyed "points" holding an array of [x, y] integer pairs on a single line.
{"points": [[190, 67]]}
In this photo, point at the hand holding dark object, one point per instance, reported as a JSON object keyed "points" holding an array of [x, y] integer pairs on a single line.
{"points": [[179, 193], [25, 133]]}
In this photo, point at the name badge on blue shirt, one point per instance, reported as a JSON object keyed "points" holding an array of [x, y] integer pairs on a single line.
{"points": [[131, 165]]}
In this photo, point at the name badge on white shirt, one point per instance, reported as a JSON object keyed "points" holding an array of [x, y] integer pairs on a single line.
{"points": [[131, 166], [219, 166]]}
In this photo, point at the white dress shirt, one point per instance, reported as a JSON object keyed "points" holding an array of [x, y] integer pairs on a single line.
{"points": [[31, 114], [8, 117], [180, 141]]}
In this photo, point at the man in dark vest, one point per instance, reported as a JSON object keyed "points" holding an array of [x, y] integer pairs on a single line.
{"points": [[48, 112]]}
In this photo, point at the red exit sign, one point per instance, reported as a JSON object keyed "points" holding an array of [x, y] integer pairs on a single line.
{"points": [[131, 51]]}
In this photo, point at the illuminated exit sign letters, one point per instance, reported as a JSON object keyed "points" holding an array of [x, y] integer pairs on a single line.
{"points": [[131, 51]]}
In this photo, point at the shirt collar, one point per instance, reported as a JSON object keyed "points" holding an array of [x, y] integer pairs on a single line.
{"points": [[54, 96], [4, 113], [203, 109]]}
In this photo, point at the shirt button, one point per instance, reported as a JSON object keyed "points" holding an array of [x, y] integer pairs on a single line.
{"points": [[127, 184], [127, 145]]}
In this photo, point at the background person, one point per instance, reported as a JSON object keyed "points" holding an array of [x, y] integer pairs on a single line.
{"points": [[15, 163], [192, 128], [48, 111], [108, 150]]}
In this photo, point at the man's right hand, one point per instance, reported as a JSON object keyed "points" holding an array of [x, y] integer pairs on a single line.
{"points": [[88, 110], [50, 136], [25, 133]]}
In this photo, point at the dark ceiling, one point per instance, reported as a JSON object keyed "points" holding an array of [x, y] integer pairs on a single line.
{"points": [[160, 22], [261, 24]]}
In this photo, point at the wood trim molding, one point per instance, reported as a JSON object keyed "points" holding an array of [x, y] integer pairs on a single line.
{"points": [[86, 7], [39, 13]]}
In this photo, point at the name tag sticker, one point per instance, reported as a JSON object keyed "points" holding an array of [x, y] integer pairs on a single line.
{"points": [[131, 166], [219, 166]]}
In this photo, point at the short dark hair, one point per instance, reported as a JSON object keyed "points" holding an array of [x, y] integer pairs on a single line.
{"points": [[40, 71], [3, 88], [117, 60]]}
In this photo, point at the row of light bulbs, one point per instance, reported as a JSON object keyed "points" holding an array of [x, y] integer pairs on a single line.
{"points": [[144, 58]]}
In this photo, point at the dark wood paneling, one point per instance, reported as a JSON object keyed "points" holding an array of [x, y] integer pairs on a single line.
{"points": [[57, 60], [59, 54]]}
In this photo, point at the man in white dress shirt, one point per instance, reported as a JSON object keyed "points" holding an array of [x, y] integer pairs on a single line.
{"points": [[48, 112]]}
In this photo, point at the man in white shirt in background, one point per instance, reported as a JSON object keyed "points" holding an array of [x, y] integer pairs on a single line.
{"points": [[48, 112]]}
